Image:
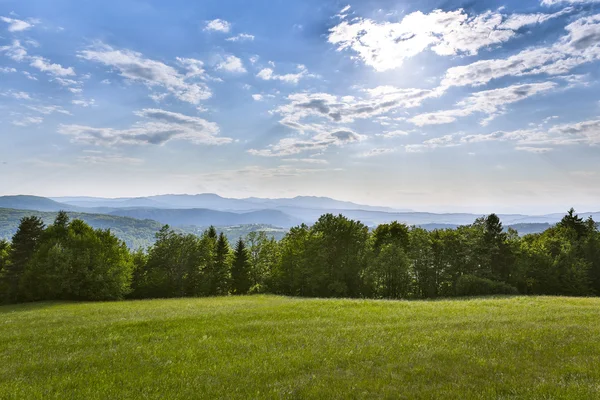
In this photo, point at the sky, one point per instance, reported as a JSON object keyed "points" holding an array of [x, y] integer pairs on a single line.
{"points": [[481, 106]]}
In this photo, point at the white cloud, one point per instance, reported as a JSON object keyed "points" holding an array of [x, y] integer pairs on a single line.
{"points": [[377, 152], [158, 97], [580, 46], [47, 110], [17, 95], [490, 102], [536, 150], [231, 63], [535, 140], [133, 66], [45, 65], [7, 70], [257, 97], [443, 141], [17, 52], [242, 37], [17, 25], [66, 81], [385, 45], [193, 66], [27, 121], [376, 101], [306, 160], [109, 159], [29, 76], [218, 25], [157, 127], [83, 103], [324, 139], [392, 134], [267, 74], [554, 2]]}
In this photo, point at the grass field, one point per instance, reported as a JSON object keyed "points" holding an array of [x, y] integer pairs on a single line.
{"points": [[276, 347]]}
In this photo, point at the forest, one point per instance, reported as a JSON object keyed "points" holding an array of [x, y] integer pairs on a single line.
{"points": [[335, 257]]}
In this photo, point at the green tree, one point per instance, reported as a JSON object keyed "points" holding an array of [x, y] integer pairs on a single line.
{"points": [[77, 264], [24, 243], [591, 253], [171, 261], [574, 222], [221, 273], [263, 257], [4, 260], [240, 269], [394, 232], [342, 244], [425, 276], [139, 278], [388, 272], [296, 264]]}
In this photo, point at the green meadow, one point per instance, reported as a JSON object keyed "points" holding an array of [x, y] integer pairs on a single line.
{"points": [[288, 348]]}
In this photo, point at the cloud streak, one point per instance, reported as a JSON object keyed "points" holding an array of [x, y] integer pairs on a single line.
{"points": [[268, 74], [490, 102], [17, 25], [134, 66], [157, 127]]}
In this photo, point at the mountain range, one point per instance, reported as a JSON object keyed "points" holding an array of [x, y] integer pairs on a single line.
{"points": [[194, 212]]}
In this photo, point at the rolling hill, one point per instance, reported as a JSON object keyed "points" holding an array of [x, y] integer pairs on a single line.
{"points": [[205, 217], [135, 233], [22, 202], [215, 202]]}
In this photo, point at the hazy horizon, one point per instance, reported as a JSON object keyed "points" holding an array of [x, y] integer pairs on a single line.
{"points": [[469, 209]]}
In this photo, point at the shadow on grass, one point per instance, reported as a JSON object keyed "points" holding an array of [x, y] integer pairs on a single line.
{"points": [[24, 307]]}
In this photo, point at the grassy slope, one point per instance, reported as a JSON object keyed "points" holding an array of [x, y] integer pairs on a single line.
{"points": [[275, 347]]}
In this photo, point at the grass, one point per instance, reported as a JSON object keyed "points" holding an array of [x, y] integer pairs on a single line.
{"points": [[277, 347]]}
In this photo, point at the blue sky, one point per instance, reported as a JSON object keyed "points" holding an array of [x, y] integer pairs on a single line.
{"points": [[431, 105]]}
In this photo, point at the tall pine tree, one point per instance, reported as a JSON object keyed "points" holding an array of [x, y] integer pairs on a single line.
{"points": [[221, 266], [24, 244], [240, 269]]}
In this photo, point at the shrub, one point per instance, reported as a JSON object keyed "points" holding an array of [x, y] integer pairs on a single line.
{"points": [[470, 285]]}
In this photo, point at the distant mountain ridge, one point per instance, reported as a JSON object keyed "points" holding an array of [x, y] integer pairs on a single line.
{"points": [[206, 217], [215, 202], [23, 202], [211, 209]]}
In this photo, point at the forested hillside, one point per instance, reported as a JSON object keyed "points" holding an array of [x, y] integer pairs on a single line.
{"points": [[134, 232], [335, 257]]}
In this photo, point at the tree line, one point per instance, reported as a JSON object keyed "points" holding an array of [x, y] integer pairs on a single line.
{"points": [[335, 257]]}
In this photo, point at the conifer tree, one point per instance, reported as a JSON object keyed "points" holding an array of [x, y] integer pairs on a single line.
{"points": [[221, 266], [240, 269], [24, 244]]}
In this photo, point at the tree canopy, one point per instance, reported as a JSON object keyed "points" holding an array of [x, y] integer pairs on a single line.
{"points": [[335, 257]]}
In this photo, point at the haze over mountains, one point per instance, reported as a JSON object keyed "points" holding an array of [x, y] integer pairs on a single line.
{"points": [[216, 202], [211, 209]]}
